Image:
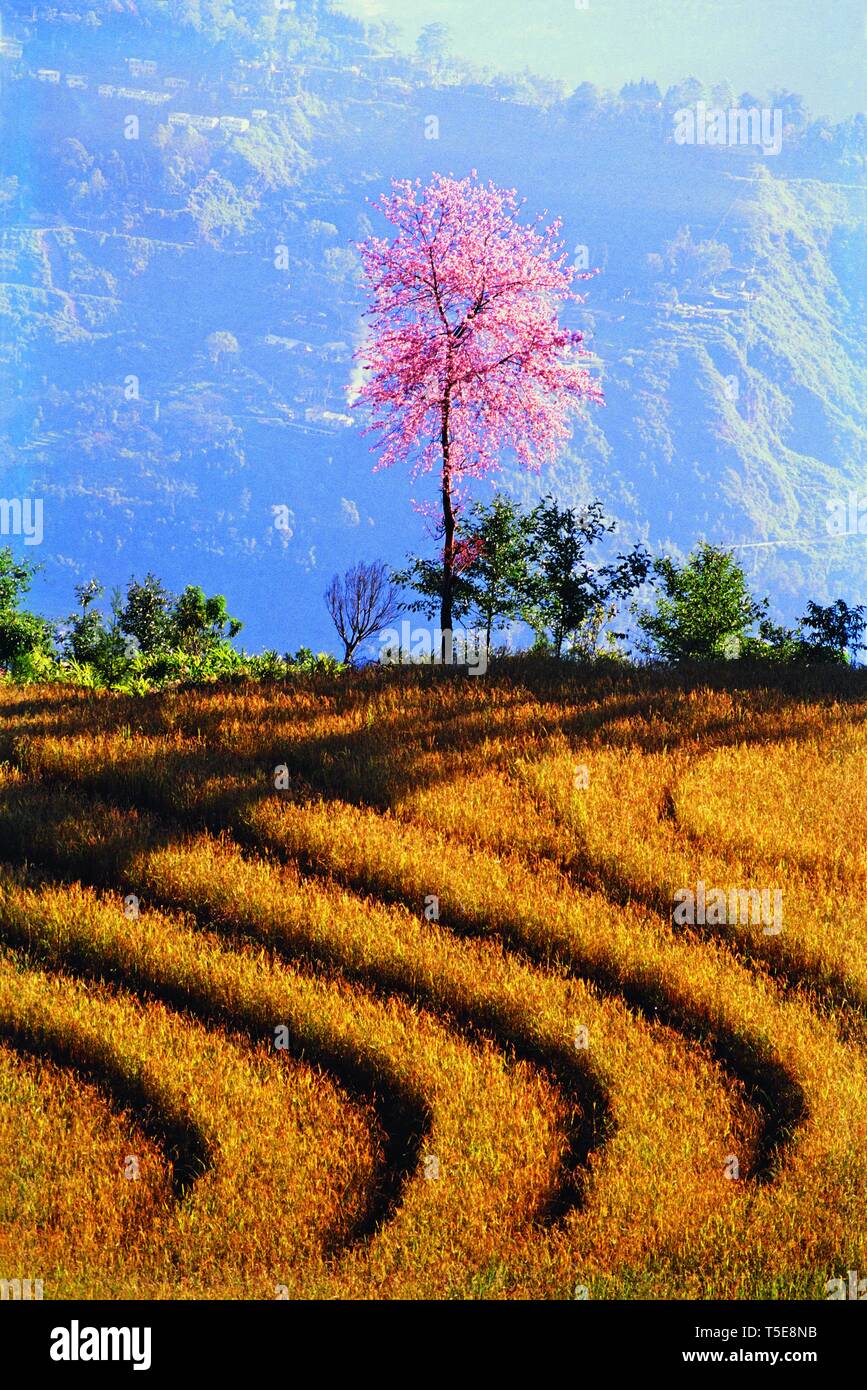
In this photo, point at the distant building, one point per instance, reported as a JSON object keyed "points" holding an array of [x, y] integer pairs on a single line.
{"points": [[204, 122], [141, 67], [142, 94], [48, 74], [73, 80], [234, 123], [175, 84], [259, 114], [288, 344], [332, 419], [11, 48]]}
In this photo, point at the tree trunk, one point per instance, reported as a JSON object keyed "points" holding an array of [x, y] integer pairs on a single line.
{"points": [[448, 541]]}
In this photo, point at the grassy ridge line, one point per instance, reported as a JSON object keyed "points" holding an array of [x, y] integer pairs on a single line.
{"points": [[332, 833], [670, 1223], [601, 835], [496, 1129], [50, 1207], [395, 871], [812, 811], [472, 983], [639, 847], [475, 983], [610, 837], [481, 894], [185, 1085], [768, 1040], [606, 844], [575, 833], [843, 1200]]}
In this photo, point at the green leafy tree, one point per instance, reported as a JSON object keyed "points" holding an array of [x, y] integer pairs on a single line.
{"points": [[146, 615], [425, 578], [569, 600], [23, 635], [198, 625], [433, 43], [218, 209], [775, 642], [152, 636], [498, 573], [87, 640], [705, 609], [835, 631]]}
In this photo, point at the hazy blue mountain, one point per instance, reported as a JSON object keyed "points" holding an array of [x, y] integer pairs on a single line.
{"points": [[179, 309]]}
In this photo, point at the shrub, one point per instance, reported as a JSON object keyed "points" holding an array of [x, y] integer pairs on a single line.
{"points": [[568, 599], [836, 630], [705, 609], [25, 638]]}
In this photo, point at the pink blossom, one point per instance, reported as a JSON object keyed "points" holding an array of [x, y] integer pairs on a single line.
{"points": [[465, 358]]}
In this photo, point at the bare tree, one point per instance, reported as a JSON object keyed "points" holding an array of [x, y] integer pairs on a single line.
{"points": [[363, 602]]}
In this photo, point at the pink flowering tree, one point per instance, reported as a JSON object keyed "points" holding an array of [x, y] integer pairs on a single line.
{"points": [[465, 358]]}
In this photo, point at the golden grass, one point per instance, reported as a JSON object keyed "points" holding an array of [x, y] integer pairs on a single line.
{"points": [[433, 902]]}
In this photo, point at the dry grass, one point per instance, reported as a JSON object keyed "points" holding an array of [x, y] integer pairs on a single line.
{"points": [[431, 903]]}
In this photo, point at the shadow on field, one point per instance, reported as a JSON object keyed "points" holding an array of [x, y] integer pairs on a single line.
{"points": [[212, 785], [32, 821], [184, 1147]]}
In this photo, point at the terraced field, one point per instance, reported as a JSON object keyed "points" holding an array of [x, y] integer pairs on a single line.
{"points": [[373, 988]]}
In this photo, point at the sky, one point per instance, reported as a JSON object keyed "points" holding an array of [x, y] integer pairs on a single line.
{"points": [[819, 50]]}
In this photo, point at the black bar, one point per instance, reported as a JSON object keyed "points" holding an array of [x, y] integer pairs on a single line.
{"points": [[266, 1338]]}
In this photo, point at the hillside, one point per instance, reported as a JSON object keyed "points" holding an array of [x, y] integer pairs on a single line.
{"points": [[380, 989], [726, 319]]}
